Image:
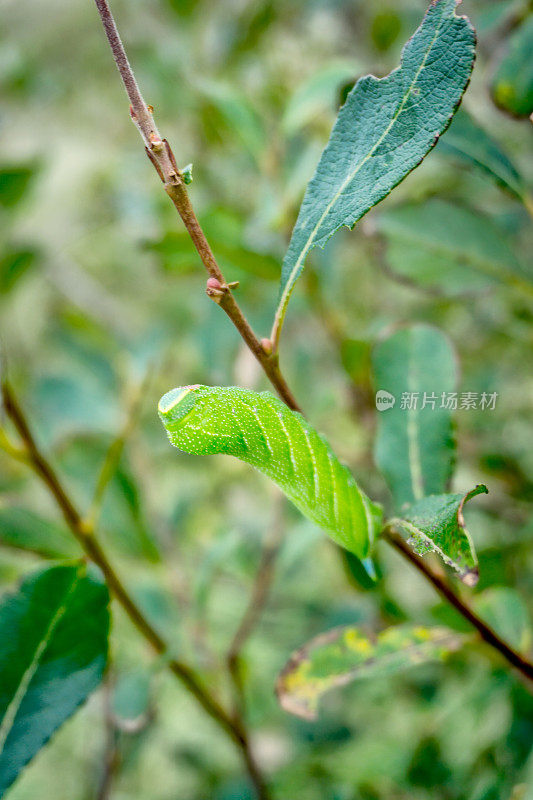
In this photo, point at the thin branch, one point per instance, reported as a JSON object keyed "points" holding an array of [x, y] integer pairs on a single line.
{"points": [[162, 158], [485, 631], [84, 533]]}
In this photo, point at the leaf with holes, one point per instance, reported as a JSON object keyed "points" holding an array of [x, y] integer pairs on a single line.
{"points": [[436, 525], [54, 633], [414, 445], [345, 654], [383, 131], [260, 430]]}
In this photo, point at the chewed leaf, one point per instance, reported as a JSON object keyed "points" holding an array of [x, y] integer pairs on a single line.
{"points": [[345, 654], [436, 524], [260, 430], [383, 131]]}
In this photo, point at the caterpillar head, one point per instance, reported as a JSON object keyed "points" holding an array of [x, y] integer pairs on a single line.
{"points": [[176, 404]]}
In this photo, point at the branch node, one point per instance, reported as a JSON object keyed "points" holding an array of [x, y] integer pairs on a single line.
{"points": [[156, 143], [216, 290], [266, 344]]}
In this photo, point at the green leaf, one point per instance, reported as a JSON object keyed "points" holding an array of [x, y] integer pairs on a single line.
{"points": [[13, 265], [225, 233], [506, 612], [260, 430], [28, 531], [414, 446], [512, 87], [385, 29], [383, 132], [54, 633], [131, 695], [14, 182], [345, 654], [318, 93], [449, 248], [236, 113], [436, 525], [356, 359], [468, 141]]}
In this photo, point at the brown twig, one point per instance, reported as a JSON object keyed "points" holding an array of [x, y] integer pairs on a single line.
{"points": [[84, 533], [162, 158], [443, 588]]}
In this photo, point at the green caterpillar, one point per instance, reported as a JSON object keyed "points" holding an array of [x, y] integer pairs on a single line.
{"points": [[261, 430]]}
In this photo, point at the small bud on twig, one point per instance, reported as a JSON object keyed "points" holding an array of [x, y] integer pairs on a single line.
{"points": [[156, 143], [215, 290]]}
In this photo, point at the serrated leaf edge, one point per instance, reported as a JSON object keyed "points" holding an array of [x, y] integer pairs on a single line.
{"points": [[284, 298]]}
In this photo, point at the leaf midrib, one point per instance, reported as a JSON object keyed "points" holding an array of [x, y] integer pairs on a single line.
{"points": [[28, 674], [351, 176]]}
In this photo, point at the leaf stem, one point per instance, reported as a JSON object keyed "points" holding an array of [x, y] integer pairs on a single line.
{"points": [[84, 533], [162, 158], [443, 588]]}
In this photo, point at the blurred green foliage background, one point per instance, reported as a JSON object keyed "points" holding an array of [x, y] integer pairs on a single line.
{"points": [[101, 287]]}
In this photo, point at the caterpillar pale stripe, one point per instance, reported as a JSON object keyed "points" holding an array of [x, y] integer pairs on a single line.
{"points": [[262, 431]]}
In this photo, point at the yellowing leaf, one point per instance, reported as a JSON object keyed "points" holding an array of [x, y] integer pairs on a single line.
{"points": [[344, 654]]}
